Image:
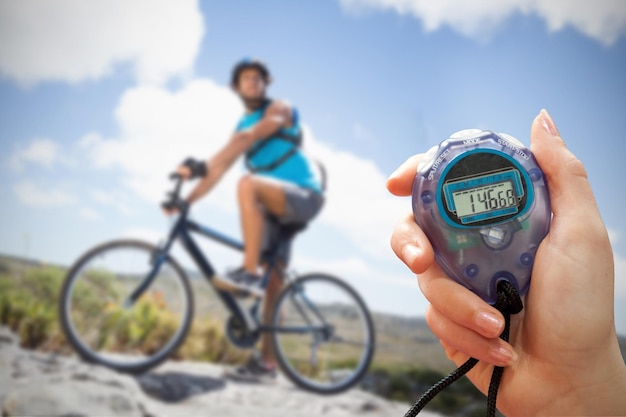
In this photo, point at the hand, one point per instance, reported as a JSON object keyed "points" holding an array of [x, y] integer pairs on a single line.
{"points": [[185, 173], [563, 357], [170, 212]]}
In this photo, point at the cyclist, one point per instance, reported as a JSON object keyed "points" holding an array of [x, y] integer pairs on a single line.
{"points": [[281, 182]]}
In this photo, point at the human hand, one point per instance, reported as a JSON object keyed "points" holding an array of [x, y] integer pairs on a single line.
{"points": [[169, 211], [184, 172], [563, 356]]}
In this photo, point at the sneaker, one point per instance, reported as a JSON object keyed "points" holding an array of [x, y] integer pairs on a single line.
{"points": [[253, 371], [240, 282]]}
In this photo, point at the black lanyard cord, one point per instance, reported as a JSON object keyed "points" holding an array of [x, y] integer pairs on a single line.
{"points": [[509, 302]]}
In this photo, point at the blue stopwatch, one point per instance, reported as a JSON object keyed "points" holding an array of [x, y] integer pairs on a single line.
{"points": [[483, 202]]}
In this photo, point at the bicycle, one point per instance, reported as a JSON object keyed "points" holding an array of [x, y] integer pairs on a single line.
{"points": [[321, 329]]}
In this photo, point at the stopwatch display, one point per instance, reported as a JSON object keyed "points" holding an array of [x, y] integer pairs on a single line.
{"points": [[482, 200]]}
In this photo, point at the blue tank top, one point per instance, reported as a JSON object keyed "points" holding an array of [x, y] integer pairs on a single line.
{"points": [[296, 169]]}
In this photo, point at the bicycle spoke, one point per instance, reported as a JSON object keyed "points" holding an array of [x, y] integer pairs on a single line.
{"points": [[104, 327], [338, 347]]}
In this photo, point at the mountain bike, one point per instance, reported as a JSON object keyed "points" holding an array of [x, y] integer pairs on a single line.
{"points": [[128, 305]]}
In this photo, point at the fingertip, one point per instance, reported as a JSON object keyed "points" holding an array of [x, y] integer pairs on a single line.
{"points": [[489, 323], [570, 191], [400, 182], [392, 185], [502, 354]]}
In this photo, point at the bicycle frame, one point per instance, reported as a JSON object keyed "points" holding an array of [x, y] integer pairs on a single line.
{"points": [[182, 231]]}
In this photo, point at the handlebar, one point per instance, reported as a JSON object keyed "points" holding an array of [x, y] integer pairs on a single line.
{"points": [[174, 201]]}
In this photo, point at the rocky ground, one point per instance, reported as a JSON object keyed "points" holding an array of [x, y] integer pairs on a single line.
{"points": [[36, 384]]}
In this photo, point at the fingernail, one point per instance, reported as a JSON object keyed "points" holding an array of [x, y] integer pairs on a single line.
{"points": [[548, 123], [410, 254], [489, 323], [504, 355]]}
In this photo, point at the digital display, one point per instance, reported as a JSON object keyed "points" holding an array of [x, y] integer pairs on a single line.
{"points": [[484, 199]]}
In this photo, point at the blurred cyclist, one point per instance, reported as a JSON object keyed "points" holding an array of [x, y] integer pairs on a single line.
{"points": [[281, 184]]}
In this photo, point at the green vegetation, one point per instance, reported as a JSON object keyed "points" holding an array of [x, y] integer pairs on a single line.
{"points": [[29, 306], [409, 384]]}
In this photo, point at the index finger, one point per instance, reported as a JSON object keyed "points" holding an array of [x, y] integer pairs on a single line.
{"points": [[400, 182]]}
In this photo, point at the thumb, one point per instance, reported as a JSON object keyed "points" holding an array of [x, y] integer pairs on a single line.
{"points": [[577, 226], [575, 269], [570, 192]]}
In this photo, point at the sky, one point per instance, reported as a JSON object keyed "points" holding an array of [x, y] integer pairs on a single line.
{"points": [[100, 101]]}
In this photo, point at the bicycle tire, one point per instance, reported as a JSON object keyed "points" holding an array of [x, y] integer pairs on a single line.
{"points": [[80, 346], [292, 374]]}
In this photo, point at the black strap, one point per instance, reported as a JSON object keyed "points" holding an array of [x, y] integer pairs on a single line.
{"points": [[296, 140], [509, 302]]}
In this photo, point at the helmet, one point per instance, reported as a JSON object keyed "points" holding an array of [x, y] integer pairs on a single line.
{"points": [[249, 63]]}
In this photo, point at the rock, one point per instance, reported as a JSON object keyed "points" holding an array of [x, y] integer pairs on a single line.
{"points": [[38, 384]]}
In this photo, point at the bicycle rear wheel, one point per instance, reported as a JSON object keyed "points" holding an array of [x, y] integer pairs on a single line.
{"points": [[323, 334], [105, 325]]}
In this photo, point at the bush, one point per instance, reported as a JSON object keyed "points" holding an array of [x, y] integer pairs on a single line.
{"points": [[29, 307], [400, 388], [408, 384]]}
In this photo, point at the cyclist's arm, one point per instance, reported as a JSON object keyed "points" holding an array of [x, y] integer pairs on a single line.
{"points": [[278, 115]]}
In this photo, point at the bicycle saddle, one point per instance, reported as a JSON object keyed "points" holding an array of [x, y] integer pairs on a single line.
{"points": [[287, 230]]}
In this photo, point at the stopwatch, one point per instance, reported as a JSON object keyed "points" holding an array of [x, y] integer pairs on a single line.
{"points": [[482, 200]]}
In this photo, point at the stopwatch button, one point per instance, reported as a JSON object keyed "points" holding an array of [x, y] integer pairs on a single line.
{"points": [[526, 259], [466, 134], [512, 140], [496, 237], [428, 197], [535, 174], [472, 271]]}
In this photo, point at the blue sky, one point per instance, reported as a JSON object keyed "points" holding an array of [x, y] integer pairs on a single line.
{"points": [[99, 103]]}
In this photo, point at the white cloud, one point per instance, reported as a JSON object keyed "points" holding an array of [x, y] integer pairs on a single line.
{"points": [[88, 213], [356, 269], [114, 199], [75, 40], [34, 195], [158, 129], [603, 20], [357, 202], [44, 152]]}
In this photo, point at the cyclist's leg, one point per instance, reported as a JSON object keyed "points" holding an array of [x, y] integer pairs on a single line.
{"points": [[298, 206], [257, 195], [272, 290]]}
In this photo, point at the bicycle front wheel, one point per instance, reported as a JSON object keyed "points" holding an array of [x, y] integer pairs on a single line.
{"points": [[323, 334], [126, 306]]}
